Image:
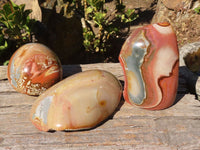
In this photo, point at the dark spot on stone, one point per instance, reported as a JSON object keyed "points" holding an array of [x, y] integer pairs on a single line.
{"points": [[102, 103]]}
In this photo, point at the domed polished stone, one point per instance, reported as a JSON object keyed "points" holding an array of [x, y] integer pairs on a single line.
{"points": [[33, 68], [80, 101], [149, 58]]}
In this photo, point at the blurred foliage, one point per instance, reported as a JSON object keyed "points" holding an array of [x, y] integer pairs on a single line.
{"points": [[99, 25], [197, 10], [15, 26]]}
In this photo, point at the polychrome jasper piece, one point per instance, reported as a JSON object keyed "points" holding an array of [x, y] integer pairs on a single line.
{"points": [[80, 101], [33, 68], [149, 58]]}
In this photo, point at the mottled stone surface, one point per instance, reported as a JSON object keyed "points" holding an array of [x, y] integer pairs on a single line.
{"points": [[177, 4], [144, 4], [184, 20]]}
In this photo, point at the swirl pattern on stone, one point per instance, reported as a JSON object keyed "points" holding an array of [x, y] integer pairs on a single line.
{"points": [[149, 58], [33, 68]]}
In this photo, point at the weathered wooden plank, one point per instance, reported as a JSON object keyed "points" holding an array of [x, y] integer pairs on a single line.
{"points": [[177, 127], [68, 70], [3, 72]]}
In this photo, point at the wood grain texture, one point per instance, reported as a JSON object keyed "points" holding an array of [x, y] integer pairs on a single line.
{"points": [[177, 127]]}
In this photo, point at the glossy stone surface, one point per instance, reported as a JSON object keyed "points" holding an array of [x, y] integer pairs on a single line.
{"points": [[33, 68], [149, 58], [80, 101]]}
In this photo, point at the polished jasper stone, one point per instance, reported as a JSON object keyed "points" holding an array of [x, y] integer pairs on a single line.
{"points": [[33, 68], [149, 58], [80, 101]]}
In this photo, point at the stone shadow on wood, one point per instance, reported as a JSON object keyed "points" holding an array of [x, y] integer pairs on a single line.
{"points": [[187, 83], [69, 70]]}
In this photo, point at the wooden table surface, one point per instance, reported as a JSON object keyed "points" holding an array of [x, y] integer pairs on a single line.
{"points": [[177, 127]]}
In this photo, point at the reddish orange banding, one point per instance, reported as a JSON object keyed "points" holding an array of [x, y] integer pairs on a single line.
{"points": [[164, 24], [159, 68], [33, 68]]}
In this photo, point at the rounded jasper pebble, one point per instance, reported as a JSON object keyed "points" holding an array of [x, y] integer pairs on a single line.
{"points": [[33, 68], [80, 101]]}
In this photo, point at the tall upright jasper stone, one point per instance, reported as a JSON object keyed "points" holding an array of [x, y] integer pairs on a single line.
{"points": [[149, 58]]}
